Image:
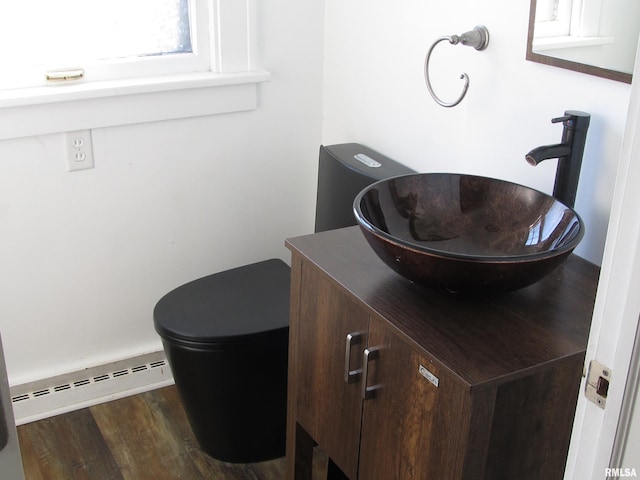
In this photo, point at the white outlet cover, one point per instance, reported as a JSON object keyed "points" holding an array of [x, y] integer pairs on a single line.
{"points": [[78, 150]]}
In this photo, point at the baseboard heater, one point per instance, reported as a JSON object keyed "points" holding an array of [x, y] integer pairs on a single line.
{"points": [[71, 391]]}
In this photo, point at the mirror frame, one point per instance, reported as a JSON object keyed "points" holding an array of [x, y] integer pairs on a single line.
{"points": [[568, 64]]}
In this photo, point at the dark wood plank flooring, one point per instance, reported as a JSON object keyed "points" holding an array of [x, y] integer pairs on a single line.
{"points": [[141, 437]]}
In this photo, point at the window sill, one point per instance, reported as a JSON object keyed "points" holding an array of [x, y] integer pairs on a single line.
{"points": [[556, 43], [69, 107]]}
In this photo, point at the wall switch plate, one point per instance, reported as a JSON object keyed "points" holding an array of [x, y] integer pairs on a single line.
{"points": [[79, 150]]}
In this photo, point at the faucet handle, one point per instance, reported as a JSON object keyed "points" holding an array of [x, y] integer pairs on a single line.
{"points": [[561, 119], [574, 119]]}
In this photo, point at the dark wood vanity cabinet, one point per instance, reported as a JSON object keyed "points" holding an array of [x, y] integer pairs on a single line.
{"points": [[396, 381], [411, 428], [329, 407]]}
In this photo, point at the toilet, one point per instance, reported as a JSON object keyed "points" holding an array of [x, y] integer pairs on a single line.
{"points": [[225, 335]]}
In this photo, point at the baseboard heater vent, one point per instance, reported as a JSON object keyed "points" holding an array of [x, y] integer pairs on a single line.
{"points": [[52, 396]]}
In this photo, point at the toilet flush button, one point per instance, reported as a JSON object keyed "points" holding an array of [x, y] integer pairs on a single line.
{"points": [[367, 160]]}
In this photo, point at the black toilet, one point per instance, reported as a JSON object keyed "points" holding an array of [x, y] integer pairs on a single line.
{"points": [[226, 335]]}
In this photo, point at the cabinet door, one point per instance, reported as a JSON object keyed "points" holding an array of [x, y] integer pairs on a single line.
{"points": [[416, 423], [328, 407]]}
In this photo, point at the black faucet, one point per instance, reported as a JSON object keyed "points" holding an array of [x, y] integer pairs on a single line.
{"points": [[569, 154]]}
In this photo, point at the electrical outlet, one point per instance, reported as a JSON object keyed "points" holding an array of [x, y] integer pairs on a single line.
{"points": [[79, 150]]}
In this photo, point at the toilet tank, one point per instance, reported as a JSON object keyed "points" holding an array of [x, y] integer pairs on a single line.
{"points": [[343, 171]]}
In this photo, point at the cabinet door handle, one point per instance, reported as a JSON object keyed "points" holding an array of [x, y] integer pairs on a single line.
{"points": [[351, 376], [369, 354]]}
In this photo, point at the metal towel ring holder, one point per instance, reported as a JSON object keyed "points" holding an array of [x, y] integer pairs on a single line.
{"points": [[477, 38]]}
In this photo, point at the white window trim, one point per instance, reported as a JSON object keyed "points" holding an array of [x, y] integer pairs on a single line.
{"points": [[231, 87], [555, 43], [583, 29], [585, 21]]}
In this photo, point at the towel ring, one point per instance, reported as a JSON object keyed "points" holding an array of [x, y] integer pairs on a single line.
{"points": [[477, 38]]}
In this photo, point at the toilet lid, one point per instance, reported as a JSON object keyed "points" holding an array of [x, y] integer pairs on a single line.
{"points": [[228, 306]]}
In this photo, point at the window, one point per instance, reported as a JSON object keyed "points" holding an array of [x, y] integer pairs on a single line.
{"points": [[562, 24], [201, 61], [102, 39], [553, 18]]}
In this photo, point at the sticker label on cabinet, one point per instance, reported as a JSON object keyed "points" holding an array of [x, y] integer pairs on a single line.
{"points": [[428, 375]]}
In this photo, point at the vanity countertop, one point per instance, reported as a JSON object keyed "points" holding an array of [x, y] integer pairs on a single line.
{"points": [[483, 339]]}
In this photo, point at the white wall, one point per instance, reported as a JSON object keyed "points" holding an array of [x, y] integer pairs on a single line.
{"points": [[86, 255], [375, 95]]}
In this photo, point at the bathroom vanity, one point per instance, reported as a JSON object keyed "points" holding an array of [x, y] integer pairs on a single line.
{"points": [[397, 381]]}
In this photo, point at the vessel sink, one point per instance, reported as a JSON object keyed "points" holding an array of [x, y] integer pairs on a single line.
{"points": [[466, 233]]}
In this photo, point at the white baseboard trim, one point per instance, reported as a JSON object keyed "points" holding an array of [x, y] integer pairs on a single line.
{"points": [[72, 391]]}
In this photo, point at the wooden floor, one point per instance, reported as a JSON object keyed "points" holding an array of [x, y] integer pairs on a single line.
{"points": [[145, 436]]}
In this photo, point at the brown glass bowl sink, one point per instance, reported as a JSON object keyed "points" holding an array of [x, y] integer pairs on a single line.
{"points": [[465, 233]]}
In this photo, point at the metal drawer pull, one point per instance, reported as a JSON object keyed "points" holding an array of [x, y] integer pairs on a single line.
{"points": [[369, 354], [351, 376]]}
